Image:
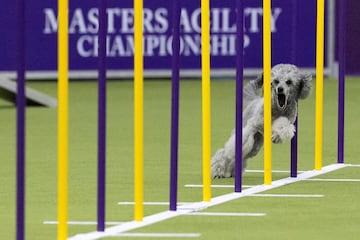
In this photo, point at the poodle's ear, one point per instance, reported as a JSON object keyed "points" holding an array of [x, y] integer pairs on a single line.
{"points": [[259, 80], [304, 89]]}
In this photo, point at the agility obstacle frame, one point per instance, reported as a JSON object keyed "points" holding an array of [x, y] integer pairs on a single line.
{"points": [[267, 90], [205, 93], [175, 90], [102, 117], [341, 81], [319, 83], [138, 111], [20, 124], [239, 95], [63, 81], [63, 118], [294, 140]]}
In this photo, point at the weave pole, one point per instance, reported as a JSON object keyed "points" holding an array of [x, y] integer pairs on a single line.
{"points": [[294, 139], [63, 111], [239, 92], [175, 105], [101, 208], [20, 124], [319, 84], [341, 83], [267, 91], [205, 71], [138, 112]]}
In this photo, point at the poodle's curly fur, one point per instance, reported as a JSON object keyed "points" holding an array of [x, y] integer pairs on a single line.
{"points": [[288, 84]]}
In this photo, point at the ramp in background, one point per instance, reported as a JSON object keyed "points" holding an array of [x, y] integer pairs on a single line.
{"points": [[8, 91]]}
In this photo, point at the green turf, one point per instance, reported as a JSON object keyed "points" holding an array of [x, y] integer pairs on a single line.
{"points": [[332, 217]]}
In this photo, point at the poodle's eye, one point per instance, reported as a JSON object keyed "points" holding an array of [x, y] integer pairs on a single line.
{"points": [[276, 81], [288, 82]]}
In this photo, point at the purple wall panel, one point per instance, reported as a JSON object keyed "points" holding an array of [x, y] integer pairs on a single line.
{"points": [[352, 37], [42, 34]]}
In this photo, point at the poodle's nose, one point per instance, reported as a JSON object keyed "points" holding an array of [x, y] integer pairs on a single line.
{"points": [[280, 89]]}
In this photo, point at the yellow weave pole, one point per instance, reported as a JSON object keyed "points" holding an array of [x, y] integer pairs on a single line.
{"points": [[138, 112], [319, 83], [63, 109], [205, 71], [267, 91]]}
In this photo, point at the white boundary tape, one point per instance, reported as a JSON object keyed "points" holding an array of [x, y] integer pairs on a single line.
{"points": [[289, 195], [158, 235], [333, 180], [198, 206], [227, 214], [353, 165]]}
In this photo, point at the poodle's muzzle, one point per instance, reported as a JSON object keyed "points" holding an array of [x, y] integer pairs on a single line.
{"points": [[281, 98]]}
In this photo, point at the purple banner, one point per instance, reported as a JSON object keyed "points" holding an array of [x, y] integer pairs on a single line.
{"points": [[293, 38]]}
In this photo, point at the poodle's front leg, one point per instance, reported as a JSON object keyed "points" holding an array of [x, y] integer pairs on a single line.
{"points": [[222, 163], [247, 141], [249, 146], [282, 130], [218, 163]]}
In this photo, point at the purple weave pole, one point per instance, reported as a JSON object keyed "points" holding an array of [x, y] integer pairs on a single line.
{"points": [[239, 93], [102, 116], [175, 105], [341, 83], [20, 124], [294, 152], [294, 140]]}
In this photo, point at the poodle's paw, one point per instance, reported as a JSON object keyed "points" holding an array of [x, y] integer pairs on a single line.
{"points": [[282, 130], [276, 138], [221, 170], [218, 164], [217, 171]]}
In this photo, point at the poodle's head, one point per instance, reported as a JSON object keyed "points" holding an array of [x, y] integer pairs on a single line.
{"points": [[288, 84]]}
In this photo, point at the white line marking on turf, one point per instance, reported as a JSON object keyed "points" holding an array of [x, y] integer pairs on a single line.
{"points": [[228, 214], [353, 165], [333, 180], [158, 235], [154, 203], [197, 206], [289, 195], [81, 223], [216, 186]]}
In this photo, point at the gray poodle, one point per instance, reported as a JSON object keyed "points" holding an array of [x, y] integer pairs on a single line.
{"points": [[288, 84]]}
